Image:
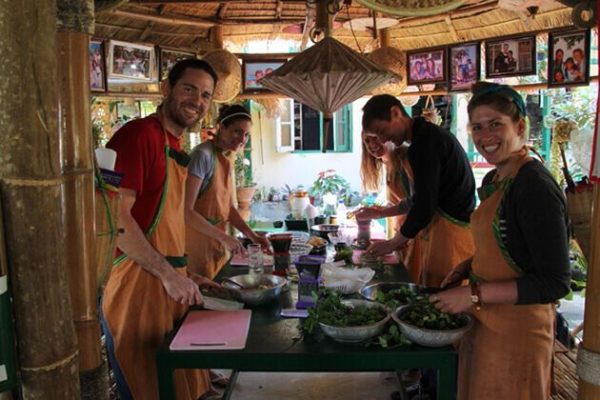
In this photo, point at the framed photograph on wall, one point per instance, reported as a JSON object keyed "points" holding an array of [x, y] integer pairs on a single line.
{"points": [[427, 66], [512, 56], [168, 58], [132, 61], [97, 66], [254, 69], [568, 58], [464, 66]]}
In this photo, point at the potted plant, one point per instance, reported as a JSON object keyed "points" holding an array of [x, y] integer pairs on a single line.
{"points": [[328, 188], [245, 187]]}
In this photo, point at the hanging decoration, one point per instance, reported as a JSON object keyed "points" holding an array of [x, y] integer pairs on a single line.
{"points": [[394, 60], [229, 72], [412, 8], [328, 75]]}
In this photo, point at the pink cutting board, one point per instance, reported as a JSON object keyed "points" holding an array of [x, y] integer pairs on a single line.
{"points": [[213, 330], [239, 260], [387, 259]]}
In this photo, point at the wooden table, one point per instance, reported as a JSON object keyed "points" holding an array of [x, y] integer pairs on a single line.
{"points": [[274, 344]]}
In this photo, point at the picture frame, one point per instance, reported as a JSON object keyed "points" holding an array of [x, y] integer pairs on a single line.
{"points": [[131, 61], [464, 66], [427, 66], [510, 56], [569, 58], [97, 63], [254, 69], [168, 58]]}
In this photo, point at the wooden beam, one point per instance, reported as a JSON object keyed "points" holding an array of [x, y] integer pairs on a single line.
{"points": [[203, 22], [147, 31], [197, 22], [190, 2], [279, 9]]}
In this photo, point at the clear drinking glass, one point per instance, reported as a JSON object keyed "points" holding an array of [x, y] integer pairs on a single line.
{"points": [[255, 259]]}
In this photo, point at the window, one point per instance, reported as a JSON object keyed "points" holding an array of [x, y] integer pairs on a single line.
{"points": [[300, 128]]}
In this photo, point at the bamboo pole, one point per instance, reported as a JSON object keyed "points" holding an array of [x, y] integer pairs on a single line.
{"points": [[30, 187], [75, 24], [591, 318]]}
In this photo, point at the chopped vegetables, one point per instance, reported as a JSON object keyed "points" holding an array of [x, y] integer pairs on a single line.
{"points": [[423, 314]]}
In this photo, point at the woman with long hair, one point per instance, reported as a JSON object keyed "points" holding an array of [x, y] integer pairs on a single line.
{"points": [[380, 159]]}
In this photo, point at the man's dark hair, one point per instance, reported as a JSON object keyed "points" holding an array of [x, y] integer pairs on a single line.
{"points": [[379, 108], [178, 69]]}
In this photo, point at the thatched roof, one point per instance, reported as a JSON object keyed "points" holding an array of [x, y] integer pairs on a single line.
{"points": [[194, 25]]}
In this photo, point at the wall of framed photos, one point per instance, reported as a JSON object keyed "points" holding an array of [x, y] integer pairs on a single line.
{"points": [[566, 61]]}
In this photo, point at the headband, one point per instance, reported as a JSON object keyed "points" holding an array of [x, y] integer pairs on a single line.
{"points": [[245, 114], [494, 88]]}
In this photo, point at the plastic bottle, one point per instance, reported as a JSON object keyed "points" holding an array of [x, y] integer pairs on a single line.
{"points": [[341, 212]]}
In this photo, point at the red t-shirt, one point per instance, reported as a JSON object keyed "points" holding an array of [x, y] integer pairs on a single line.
{"points": [[140, 147]]}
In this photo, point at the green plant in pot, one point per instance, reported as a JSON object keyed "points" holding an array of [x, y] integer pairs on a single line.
{"points": [[328, 188], [245, 186]]}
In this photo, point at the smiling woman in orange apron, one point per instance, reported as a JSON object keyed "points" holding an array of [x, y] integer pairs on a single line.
{"points": [[398, 178], [440, 206], [521, 262], [149, 288], [209, 195]]}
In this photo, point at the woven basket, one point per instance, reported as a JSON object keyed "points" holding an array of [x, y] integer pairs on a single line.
{"points": [[579, 206], [107, 211]]}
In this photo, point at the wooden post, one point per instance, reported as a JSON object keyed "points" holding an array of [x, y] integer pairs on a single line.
{"points": [[30, 186], [74, 26], [217, 36], [591, 320]]}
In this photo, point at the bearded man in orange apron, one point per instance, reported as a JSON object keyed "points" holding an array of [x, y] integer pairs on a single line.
{"points": [[521, 262], [149, 288], [399, 183], [209, 195], [444, 189]]}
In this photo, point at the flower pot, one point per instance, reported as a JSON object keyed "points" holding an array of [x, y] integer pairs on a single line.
{"points": [[244, 198]]}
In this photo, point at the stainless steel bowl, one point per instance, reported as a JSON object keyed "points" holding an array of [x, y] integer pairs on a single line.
{"points": [[430, 337], [251, 294], [356, 334], [369, 292]]}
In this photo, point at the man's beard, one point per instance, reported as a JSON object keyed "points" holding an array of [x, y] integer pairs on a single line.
{"points": [[175, 114]]}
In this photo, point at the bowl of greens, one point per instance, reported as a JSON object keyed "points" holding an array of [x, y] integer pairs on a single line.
{"points": [[424, 324], [391, 294], [354, 321]]}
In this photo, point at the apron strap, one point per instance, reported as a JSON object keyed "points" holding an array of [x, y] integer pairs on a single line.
{"points": [[161, 204]]}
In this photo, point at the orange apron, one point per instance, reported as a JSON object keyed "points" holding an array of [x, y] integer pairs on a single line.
{"points": [[399, 176], [136, 308], [508, 353], [445, 243], [206, 255]]}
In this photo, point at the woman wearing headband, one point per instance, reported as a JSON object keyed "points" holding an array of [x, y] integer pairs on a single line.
{"points": [[399, 181], [521, 262], [209, 195]]}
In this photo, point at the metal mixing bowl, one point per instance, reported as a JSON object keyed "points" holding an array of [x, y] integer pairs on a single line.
{"points": [[252, 294], [356, 334], [369, 292], [430, 337]]}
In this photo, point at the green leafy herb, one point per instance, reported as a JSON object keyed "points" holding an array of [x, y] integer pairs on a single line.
{"points": [[423, 314], [395, 298]]}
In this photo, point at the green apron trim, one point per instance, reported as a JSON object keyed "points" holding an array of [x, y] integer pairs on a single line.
{"points": [[473, 278], [213, 220], [177, 261], [161, 205], [180, 157], [503, 186], [452, 219]]}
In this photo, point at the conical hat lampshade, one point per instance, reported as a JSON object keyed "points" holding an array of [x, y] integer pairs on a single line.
{"points": [[326, 77]]}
